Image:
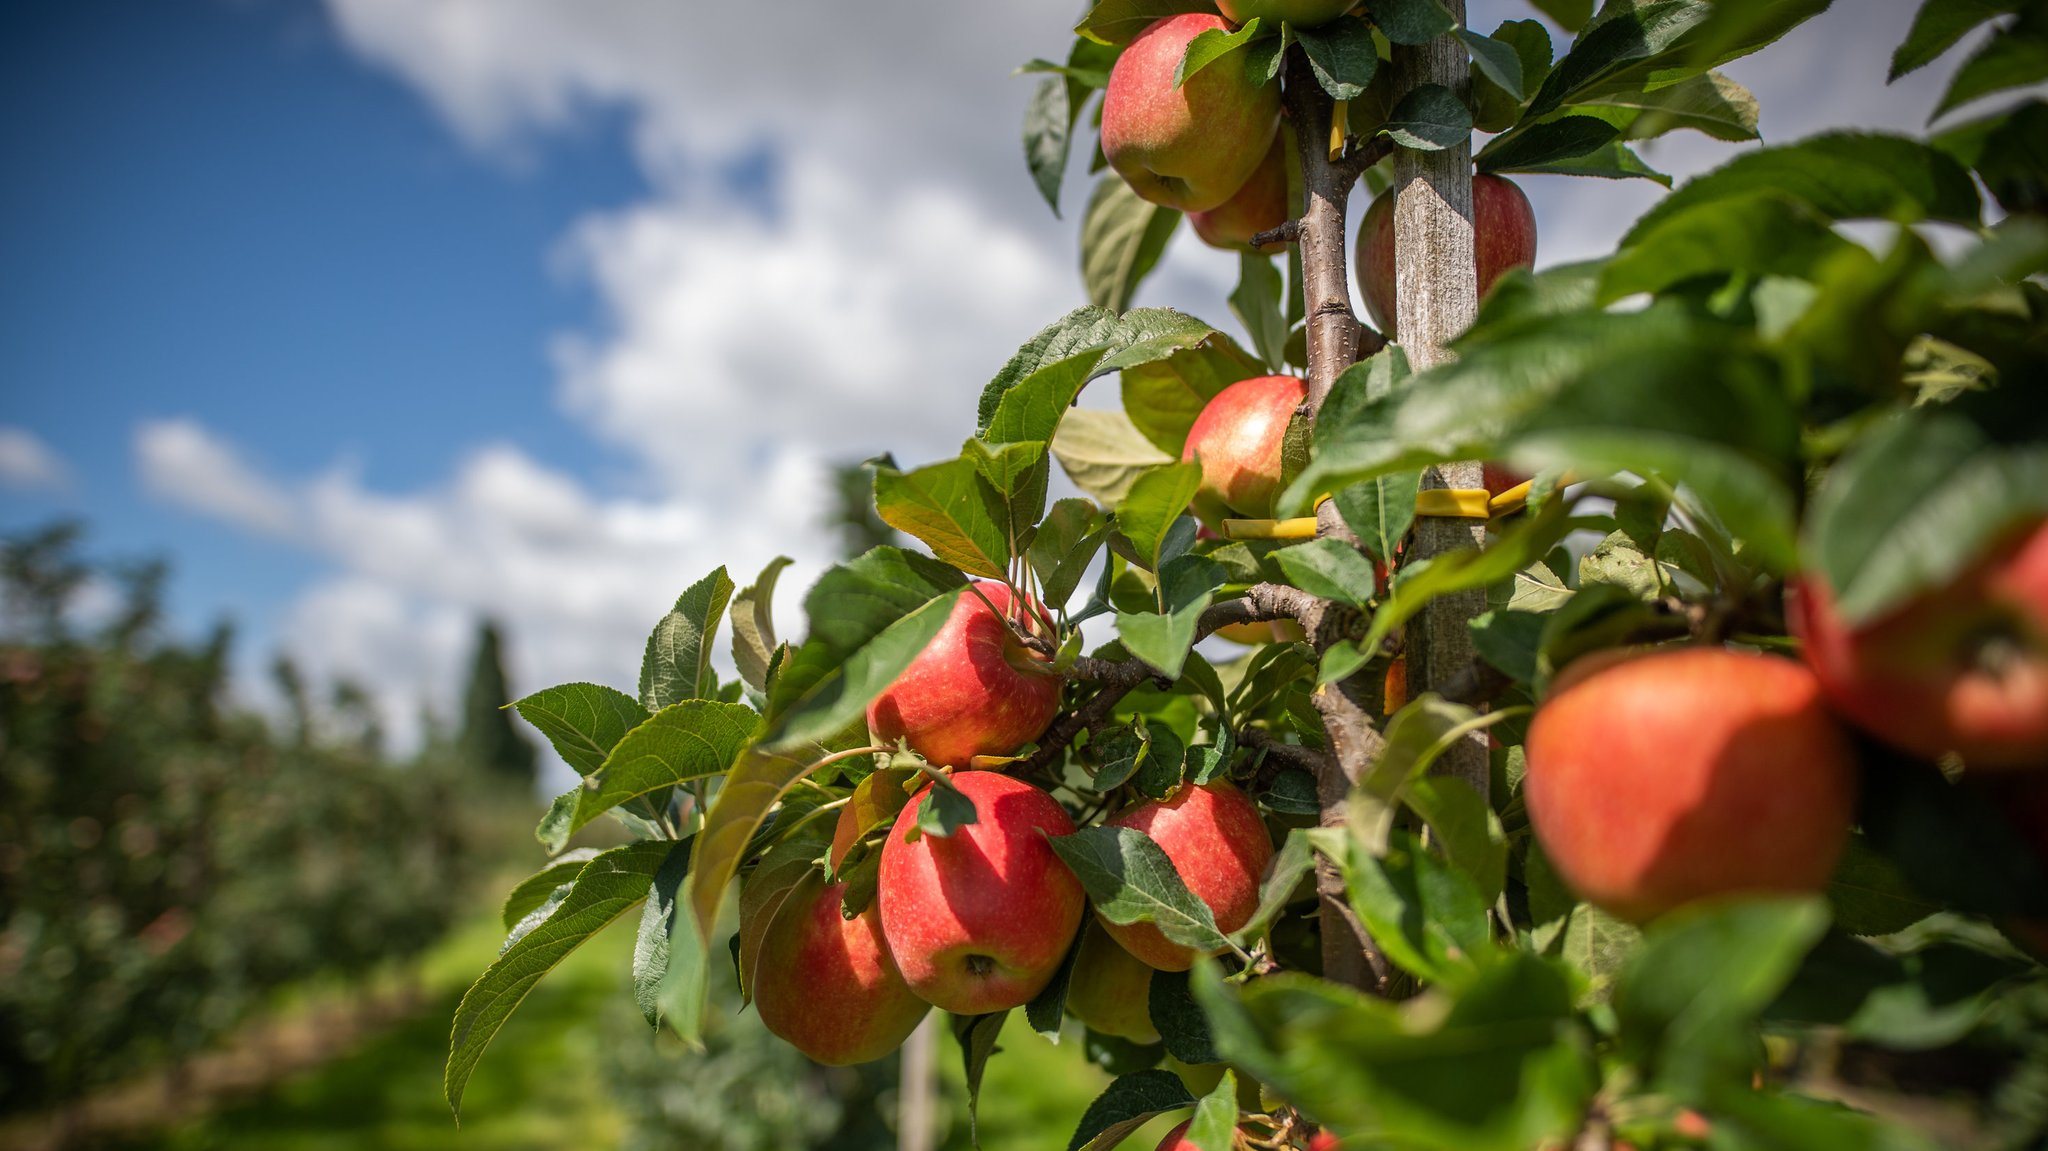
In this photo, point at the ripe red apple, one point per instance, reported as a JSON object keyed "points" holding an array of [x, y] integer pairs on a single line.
{"points": [[1498, 478], [1190, 147], [1110, 990], [979, 921], [827, 984], [1503, 237], [1961, 669], [1259, 206], [1218, 843], [1661, 778], [1302, 13], [974, 690], [1237, 438]]}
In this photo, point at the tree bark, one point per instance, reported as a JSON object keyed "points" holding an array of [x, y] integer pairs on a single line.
{"points": [[1437, 297]]}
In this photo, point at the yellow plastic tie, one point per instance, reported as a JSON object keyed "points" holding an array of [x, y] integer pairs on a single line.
{"points": [[1303, 528], [1511, 501], [1340, 117], [1454, 503]]}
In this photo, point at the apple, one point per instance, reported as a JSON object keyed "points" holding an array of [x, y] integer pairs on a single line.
{"points": [[1194, 146], [1963, 668], [1656, 779], [1218, 843], [1301, 13], [980, 920], [1499, 478], [1503, 237], [974, 690], [1322, 1141], [1237, 439], [1110, 990], [1259, 206], [827, 984]]}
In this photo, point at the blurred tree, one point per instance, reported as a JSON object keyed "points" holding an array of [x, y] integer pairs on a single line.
{"points": [[853, 513], [489, 740]]}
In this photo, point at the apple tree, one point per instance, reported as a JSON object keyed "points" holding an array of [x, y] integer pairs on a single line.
{"points": [[1612, 713]]}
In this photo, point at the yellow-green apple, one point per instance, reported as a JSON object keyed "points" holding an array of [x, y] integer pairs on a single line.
{"points": [[1218, 843], [1960, 669], [974, 690], [827, 984], [1237, 438], [1259, 206], [1301, 13], [1503, 237], [1660, 778], [1194, 146], [1110, 990], [980, 920]]}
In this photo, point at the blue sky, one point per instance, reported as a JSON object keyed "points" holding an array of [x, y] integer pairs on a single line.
{"points": [[375, 315]]}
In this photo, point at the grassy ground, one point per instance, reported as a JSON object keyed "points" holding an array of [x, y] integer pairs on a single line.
{"points": [[541, 1085]]}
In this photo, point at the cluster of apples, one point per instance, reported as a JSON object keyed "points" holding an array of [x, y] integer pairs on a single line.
{"points": [[1657, 779], [981, 920]]}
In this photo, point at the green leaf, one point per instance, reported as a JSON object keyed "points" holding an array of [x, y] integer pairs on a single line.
{"points": [[1426, 916], [1758, 234], [1183, 1031], [1498, 109], [1048, 132], [1293, 862], [1840, 176], [657, 922], [952, 510], [1342, 55], [1071, 334], [1571, 15], [1690, 998], [1122, 238], [1380, 510], [1163, 397], [787, 876], [1411, 21], [608, 886], [1018, 474], [1546, 143], [582, 720], [1104, 453], [1256, 304], [1061, 549], [753, 626], [1156, 500], [977, 1036], [1497, 61], [1869, 895], [1498, 1067], [944, 809], [535, 889], [1709, 103], [677, 665], [2009, 151], [1120, 21], [1215, 1122], [1129, 879], [1186, 584], [1031, 409], [1913, 503], [1331, 569], [1596, 944], [1429, 118], [1614, 161], [869, 619], [1466, 830], [1047, 1011], [1127, 1104], [1421, 582], [1938, 26], [1622, 39], [695, 739], [1211, 46], [2013, 57]]}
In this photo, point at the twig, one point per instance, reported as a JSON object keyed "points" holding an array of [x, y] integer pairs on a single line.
{"points": [[1286, 233]]}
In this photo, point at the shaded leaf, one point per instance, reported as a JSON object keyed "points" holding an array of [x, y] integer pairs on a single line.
{"points": [[1429, 118], [1129, 879], [1122, 238], [1127, 1104], [677, 665]]}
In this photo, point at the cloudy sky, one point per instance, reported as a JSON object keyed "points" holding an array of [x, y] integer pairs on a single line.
{"points": [[375, 315]]}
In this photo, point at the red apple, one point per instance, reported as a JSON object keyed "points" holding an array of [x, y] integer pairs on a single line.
{"points": [[1237, 439], [1322, 1141], [1503, 237], [1662, 778], [1960, 669], [1110, 990], [979, 921], [1194, 146], [974, 690], [1301, 13], [1498, 478], [1218, 843], [827, 984], [1259, 206]]}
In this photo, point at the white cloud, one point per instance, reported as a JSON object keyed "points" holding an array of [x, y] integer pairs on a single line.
{"points": [[27, 463], [185, 464]]}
